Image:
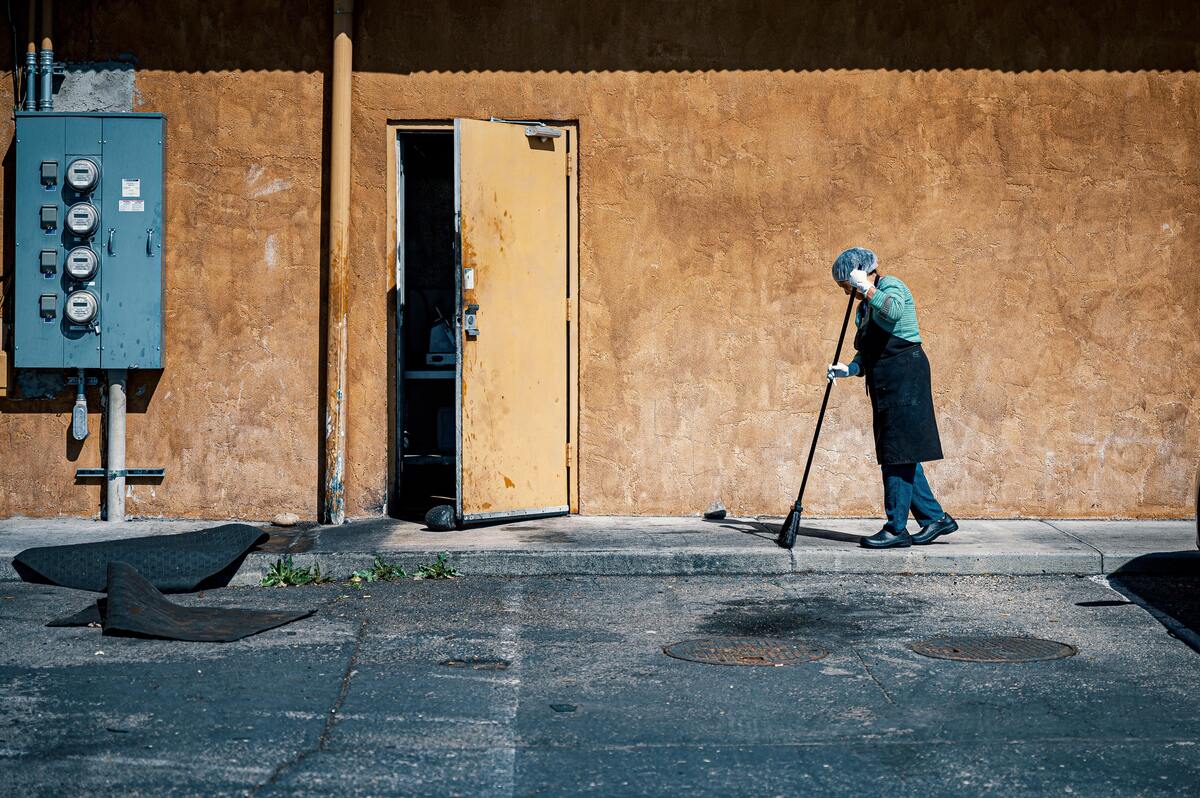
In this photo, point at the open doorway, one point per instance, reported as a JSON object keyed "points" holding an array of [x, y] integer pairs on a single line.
{"points": [[427, 353], [486, 352]]}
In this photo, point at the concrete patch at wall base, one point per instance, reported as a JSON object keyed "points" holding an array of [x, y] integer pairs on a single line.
{"points": [[105, 86]]}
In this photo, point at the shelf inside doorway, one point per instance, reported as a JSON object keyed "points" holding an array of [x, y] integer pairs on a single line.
{"points": [[448, 374], [429, 459]]}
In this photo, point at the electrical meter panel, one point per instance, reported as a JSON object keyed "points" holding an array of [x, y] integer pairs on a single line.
{"points": [[89, 230]]}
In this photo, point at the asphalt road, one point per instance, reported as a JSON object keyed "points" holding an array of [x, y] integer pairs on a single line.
{"points": [[356, 700]]}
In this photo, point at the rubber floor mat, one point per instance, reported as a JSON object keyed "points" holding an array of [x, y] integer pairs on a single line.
{"points": [[134, 608], [172, 563], [91, 615]]}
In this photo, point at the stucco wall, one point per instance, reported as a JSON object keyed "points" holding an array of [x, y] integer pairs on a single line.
{"points": [[1032, 174]]}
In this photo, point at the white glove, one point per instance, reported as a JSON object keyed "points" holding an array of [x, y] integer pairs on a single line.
{"points": [[860, 280], [837, 370]]}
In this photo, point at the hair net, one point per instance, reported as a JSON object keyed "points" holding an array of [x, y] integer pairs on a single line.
{"points": [[851, 259]]}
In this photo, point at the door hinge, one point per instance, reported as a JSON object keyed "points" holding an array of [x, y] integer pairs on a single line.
{"points": [[570, 455], [569, 167], [570, 309]]}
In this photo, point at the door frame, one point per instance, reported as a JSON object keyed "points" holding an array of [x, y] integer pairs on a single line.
{"points": [[395, 291]]}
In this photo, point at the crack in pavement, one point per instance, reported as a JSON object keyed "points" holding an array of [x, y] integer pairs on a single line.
{"points": [[331, 718], [867, 668]]}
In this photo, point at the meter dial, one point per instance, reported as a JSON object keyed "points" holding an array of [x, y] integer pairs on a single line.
{"points": [[83, 174], [82, 218], [82, 263], [82, 307]]}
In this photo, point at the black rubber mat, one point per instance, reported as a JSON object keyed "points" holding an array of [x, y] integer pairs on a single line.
{"points": [[91, 614], [134, 608], [172, 563]]}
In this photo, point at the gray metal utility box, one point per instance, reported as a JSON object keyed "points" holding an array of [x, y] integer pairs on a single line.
{"points": [[88, 223]]}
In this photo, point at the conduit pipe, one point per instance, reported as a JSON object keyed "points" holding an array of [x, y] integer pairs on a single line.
{"points": [[46, 58], [31, 60], [114, 464], [339, 271]]}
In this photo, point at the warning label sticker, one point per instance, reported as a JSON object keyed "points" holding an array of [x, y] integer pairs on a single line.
{"points": [[131, 206], [131, 188]]}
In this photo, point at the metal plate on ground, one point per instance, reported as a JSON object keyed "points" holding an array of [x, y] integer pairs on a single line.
{"points": [[477, 664], [768, 651], [993, 649]]}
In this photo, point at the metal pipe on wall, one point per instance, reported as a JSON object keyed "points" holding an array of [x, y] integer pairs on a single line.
{"points": [[334, 511], [46, 59], [31, 61], [114, 465]]}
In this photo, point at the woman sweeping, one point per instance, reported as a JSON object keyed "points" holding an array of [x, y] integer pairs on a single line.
{"points": [[896, 370]]}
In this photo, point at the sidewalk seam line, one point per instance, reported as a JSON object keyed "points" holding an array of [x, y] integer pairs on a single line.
{"points": [[1077, 540]]}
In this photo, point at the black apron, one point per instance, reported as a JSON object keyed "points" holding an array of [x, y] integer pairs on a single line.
{"points": [[897, 377]]}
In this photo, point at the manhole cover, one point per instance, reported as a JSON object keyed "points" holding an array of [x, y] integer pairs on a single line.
{"points": [[477, 664], [745, 651], [993, 649]]}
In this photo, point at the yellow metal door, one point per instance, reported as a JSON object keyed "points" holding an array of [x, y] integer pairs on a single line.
{"points": [[511, 202]]}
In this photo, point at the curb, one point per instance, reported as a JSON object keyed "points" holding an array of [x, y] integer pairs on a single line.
{"points": [[339, 565]]}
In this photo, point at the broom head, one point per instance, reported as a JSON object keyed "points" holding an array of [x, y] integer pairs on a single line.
{"points": [[791, 526]]}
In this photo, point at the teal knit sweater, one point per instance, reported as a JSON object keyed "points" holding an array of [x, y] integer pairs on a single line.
{"points": [[892, 308]]}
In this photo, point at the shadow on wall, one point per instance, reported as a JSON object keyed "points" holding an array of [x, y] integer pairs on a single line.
{"points": [[531, 35]]}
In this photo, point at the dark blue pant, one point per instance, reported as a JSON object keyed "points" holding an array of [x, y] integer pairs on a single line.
{"points": [[905, 488]]}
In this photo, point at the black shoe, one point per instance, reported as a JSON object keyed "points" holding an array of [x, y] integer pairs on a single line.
{"points": [[885, 539], [943, 526]]}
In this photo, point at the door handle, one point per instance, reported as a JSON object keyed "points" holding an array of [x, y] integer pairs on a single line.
{"points": [[112, 249], [470, 327], [149, 242]]}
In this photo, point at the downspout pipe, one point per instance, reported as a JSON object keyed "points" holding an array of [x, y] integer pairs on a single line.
{"points": [[45, 100], [31, 61], [338, 308]]}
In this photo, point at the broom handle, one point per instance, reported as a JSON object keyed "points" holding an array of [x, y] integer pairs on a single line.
{"points": [[824, 402]]}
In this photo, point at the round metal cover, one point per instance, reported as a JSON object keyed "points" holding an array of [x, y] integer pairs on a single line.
{"points": [[993, 649], [746, 651]]}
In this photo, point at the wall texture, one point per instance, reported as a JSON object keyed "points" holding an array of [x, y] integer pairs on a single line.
{"points": [[1032, 173]]}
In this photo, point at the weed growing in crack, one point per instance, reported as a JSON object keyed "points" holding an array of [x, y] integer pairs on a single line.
{"points": [[285, 573], [379, 571], [438, 569]]}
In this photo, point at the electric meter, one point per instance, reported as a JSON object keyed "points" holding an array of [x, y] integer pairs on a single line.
{"points": [[83, 174], [82, 263], [82, 307], [82, 218]]}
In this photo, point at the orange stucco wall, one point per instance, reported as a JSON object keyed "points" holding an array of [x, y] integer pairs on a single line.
{"points": [[1032, 174]]}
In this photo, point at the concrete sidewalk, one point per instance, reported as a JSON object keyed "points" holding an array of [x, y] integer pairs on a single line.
{"points": [[606, 545]]}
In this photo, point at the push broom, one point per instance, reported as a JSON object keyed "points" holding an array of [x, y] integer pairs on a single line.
{"points": [[791, 524]]}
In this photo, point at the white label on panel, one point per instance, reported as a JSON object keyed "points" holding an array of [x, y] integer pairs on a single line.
{"points": [[468, 279], [131, 206], [131, 188]]}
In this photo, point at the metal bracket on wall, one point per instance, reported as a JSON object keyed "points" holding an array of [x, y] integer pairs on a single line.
{"points": [[100, 473]]}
